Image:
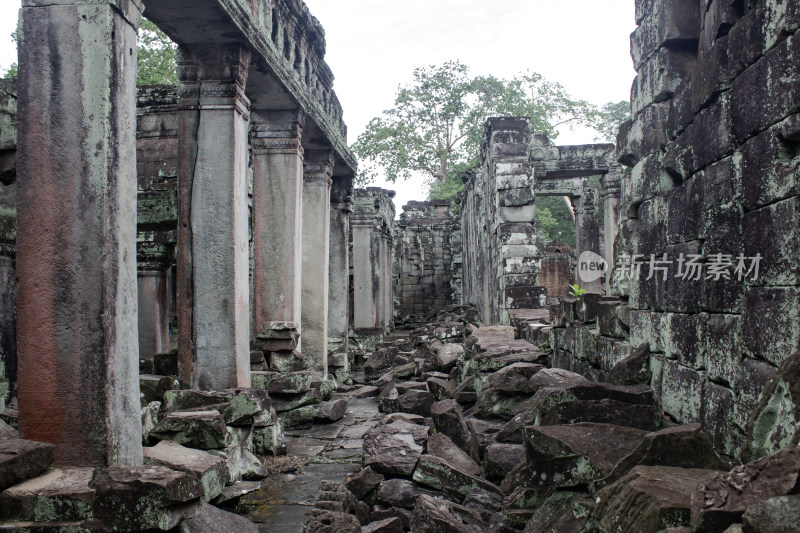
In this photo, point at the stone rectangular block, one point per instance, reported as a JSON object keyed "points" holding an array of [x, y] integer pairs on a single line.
{"points": [[723, 343], [646, 328], [683, 338], [755, 375], [719, 403], [646, 134], [682, 392], [646, 179], [770, 323], [767, 169], [684, 211], [659, 76], [663, 23], [774, 233]]}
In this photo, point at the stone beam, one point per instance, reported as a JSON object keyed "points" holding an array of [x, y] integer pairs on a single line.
{"points": [[317, 170], [76, 213], [286, 41], [213, 250]]}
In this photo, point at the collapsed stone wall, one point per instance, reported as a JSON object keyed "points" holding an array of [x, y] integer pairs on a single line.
{"points": [[427, 255], [707, 262]]}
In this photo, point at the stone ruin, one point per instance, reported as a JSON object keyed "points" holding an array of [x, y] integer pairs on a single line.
{"points": [[663, 398]]}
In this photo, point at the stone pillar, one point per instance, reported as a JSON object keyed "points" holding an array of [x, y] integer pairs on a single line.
{"points": [[154, 311], [317, 170], [76, 231], [365, 286], [339, 265], [387, 277], [587, 234], [277, 217], [213, 251], [611, 204]]}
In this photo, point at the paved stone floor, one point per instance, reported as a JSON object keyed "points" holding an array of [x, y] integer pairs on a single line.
{"points": [[324, 452]]}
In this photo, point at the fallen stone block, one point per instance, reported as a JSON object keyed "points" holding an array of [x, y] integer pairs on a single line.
{"points": [[152, 387], [488, 362], [269, 440], [231, 494], [395, 448], [485, 502], [442, 475], [62, 494], [648, 499], [398, 493], [448, 419], [721, 499], [367, 391], [205, 430], [137, 498], [440, 445], [502, 459], [330, 522], [465, 391], [774, 515], [577, 454], [437, 515], [335, 497], [444, 357], [563, 511], [364, 482], [496, 404], [209, 469], [7, 432], [287, 402], [389, 525], [282, 382], [685, 446], [331, 411], [441, 389], [209, 519], [166, 364], [287, 361], [634, 369], [241, 464], [300, 418], [515, 378], [415, 401], [23, 459], [237, 406], [381, 512]]}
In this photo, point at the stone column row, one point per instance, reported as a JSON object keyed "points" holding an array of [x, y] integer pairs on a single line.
{"points": [[76, 255]]}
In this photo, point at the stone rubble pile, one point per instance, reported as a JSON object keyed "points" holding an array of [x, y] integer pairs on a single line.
{"points": [[482, 433]]}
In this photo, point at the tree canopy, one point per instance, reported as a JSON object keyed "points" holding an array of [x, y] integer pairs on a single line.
{"points": [[436, 124], [157, 63]]}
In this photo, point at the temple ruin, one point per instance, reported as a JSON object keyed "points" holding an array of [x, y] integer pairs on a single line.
{"points": [[201, 317]]}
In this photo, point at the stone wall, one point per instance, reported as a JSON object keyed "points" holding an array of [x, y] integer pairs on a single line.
{"points": [[427, 256], [711, 198], [8, 215]]}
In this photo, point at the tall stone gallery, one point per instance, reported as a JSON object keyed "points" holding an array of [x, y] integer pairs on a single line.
{"points": [[205, 327]]}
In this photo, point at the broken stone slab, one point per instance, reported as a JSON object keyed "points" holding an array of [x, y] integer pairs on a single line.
{"points": [[437, 515], [237, 406], [406, 371], [331, 522], [501, 459], [562, 511], [441, 389], [443, 357], [205, 430], [488, 362], [7, 432], [366, 391], [395, 448], [258, 361], [287, 402], [398, 493], [23, 459], [773, 515], [282, 382], [389, 525], [210, 519], [493, 403], [381, 512], [364, 482], [465, 391], [440, 474], [406, 386], [276, 336], [209, 469], [299, 418], [634, 369], [379, 361], [287, 361], [241, 464], [335, 497], [232, 493], [775, 421], [555, 377], [648, 499], [440, 445], [269, 440], [686, 446], [414, 401], [515, 378], [486, 503], [388, 400], [149, 419], [136, 498], [721, 499], [484, 431], [61, 494], [449, 419], [328, 412], [577, 454]]}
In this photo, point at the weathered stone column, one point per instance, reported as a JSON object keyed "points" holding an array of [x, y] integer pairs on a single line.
{"points": [[76, 231], [339, 266], [587, 234], [611, 200], [213, 251], [386, 280], [317, 171], [277, 217], [365, 291], [155, 302]]}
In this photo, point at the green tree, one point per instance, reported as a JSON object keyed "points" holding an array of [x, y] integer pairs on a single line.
{"points": [[609, 118], [157, 62], [12, 70], [436, 125], [547, 222]]}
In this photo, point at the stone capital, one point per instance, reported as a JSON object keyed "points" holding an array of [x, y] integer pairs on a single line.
{"points": [[213, 77], [277, 131], [318, 167]]}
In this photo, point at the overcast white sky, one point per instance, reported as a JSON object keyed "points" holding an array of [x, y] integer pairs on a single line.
{"points": [[373, 45]]}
